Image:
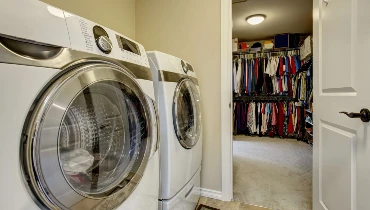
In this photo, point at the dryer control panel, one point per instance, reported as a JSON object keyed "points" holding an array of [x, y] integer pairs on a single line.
{"points": [[88, 36], [166, 62]]}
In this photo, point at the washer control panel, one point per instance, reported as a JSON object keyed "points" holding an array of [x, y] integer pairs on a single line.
{"points": [[88, 36]]}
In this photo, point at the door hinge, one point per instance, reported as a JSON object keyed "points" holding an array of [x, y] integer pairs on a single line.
{"points": [[230, 105]]}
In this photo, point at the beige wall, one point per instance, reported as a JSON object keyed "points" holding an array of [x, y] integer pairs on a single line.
{"points": [[190, 29], [118, 15]]}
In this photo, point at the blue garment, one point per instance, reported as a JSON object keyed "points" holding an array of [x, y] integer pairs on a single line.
{"points": [[243, 69], [299, 61], [268, 109], [250, 75], [253, 76], [287, 64], [297, 64]]}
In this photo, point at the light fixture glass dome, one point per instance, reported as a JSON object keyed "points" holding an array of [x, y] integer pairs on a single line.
{"points": [[255, 19]]}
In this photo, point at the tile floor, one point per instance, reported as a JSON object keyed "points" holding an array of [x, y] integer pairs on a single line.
{"points": [[222, 205]]}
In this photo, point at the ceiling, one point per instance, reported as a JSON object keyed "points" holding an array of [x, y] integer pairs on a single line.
{"points": [[282, 16]]}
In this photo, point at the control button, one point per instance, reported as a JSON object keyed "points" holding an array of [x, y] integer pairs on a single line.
{"points": [[104, 44], [184, 67]]}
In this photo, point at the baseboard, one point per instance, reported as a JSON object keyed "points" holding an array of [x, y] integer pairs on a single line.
{"points": [[210, 193]]}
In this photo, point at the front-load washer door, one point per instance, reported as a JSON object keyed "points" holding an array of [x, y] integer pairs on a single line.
{"points": [[186, 113], [88, 139]]}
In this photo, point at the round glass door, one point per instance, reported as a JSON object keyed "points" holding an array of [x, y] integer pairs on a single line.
{"points": [[186, 113], [92, 138], [98, 143]]}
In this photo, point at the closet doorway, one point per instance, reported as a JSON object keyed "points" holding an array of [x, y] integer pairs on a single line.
{"points": [[272, 103]]}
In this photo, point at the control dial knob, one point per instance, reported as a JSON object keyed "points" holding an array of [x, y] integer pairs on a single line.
{"points": [[104, 44]]}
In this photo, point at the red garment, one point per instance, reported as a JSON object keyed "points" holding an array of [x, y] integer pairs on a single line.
{"points": [[292, 64], [290, 122], [281, 118], [274, 114], [281, 66]]}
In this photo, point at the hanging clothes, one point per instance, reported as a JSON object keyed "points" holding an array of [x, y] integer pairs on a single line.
{"points": [[283, 75]]}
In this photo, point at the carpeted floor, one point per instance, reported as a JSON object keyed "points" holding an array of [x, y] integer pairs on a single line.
{"points": [[273, 173]]}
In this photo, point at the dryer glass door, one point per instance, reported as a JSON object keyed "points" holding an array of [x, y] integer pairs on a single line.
{"points": [[92, 139], [186, 113]]}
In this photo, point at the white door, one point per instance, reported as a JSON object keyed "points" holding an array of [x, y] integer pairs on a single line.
{"points": [[341, 80]]}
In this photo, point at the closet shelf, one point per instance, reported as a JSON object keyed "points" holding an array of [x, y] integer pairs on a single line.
{"points": [[249, 51]]}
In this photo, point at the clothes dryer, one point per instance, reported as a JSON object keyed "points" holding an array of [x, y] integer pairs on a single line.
{"points": [[177, 93]]}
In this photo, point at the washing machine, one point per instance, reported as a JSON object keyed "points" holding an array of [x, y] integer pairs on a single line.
{"points": [[177, 93], [78, 125]]}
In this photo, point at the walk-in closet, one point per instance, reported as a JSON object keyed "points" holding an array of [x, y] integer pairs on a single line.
{"points": [[273, 105]]}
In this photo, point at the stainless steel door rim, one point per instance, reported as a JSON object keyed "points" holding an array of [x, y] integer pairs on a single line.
{"points": [[186, 113]]}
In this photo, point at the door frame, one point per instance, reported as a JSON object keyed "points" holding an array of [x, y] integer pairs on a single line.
{"points": [[226, 101]]}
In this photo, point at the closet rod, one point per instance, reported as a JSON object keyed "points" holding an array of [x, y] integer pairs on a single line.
{"points": [[265, 51], [263, 98]]}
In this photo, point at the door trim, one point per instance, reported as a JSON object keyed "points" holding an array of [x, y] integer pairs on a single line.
{"points": [[316, 15], [226, 102]]}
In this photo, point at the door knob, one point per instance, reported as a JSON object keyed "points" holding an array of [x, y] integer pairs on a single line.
{"points": [[364, 115]]}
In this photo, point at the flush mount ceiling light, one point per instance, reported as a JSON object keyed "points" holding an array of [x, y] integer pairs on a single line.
{"points": [[255, 19]]}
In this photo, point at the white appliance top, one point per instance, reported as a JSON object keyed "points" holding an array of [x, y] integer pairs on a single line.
{"points": [[166, 62], [35, 21], [45, 24], [83, 34]]}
